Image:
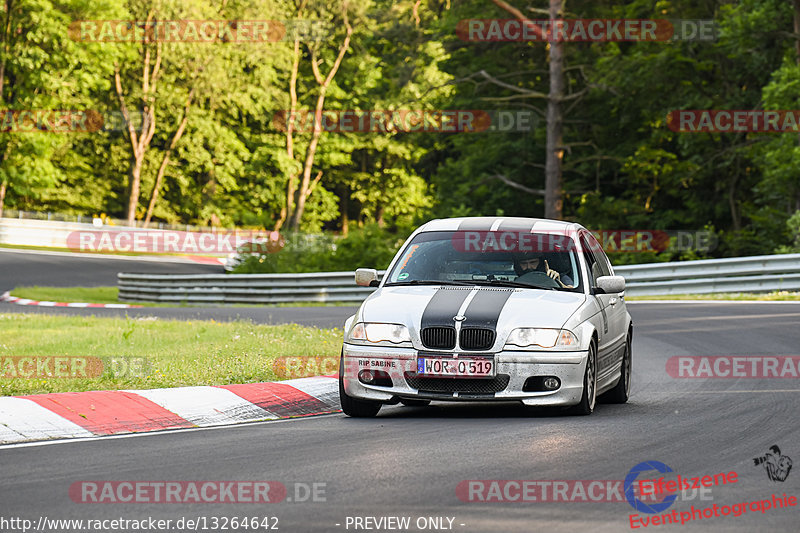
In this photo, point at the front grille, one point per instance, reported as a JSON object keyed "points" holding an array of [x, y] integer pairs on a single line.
{"points": [[441, 338], [468, 385], [476, 338]]}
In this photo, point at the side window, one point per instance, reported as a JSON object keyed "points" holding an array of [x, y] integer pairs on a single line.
{"points": [[591, 262], [602, 261]]}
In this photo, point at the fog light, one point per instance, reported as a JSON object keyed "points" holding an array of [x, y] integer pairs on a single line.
{"points": [[377, 378], [551, 383]]}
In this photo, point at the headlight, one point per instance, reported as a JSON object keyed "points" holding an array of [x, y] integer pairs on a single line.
{"points": [[544, 338], [376, 333]]}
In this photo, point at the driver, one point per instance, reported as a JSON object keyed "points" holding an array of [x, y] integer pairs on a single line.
{"points": [[537, 263]]}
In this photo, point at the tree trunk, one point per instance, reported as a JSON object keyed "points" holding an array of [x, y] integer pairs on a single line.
{"points": [[302, 192], [135, 185], [736, 220], [156, 186], [379, 215], [311, 151], [343, 205], [165, 161], [140, 141], [291, 182], [2, 197], [553, 201]]}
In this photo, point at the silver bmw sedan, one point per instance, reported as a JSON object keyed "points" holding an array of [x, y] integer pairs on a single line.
{"points": [[490, 309]]}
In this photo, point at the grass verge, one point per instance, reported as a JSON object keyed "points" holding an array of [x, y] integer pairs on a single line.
{"points": [[175, 353], [109, 295]]}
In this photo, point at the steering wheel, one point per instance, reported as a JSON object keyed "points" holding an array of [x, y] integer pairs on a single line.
{"points": [[538, 278]]}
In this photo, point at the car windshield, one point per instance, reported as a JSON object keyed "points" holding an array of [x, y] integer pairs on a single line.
{"points": [[488, 258]]}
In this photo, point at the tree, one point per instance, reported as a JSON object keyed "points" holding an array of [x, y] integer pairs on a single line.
{"points": [[42, 69], [297, 193]]}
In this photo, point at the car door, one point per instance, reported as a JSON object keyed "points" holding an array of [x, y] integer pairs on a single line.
{"points": [[615, 313], [607, 336]]}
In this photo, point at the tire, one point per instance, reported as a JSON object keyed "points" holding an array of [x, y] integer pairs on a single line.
{"points": [[589, 396], [351, 406], [622, 390], [414, 403]]}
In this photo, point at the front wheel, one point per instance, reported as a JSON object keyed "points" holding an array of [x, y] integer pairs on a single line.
{"points": [[622, 390], [589, 396], [351, 406]]}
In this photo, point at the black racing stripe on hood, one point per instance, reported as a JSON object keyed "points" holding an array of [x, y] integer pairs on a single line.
{"points": [[443, 307], [484, 309]]}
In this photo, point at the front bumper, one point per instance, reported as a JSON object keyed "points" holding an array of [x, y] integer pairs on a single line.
{"points": [[401, 365]]}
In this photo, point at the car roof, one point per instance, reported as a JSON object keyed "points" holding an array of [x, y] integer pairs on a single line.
{"points": [[533, 225]]}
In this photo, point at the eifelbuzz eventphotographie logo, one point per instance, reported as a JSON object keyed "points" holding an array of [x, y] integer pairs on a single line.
{"points": [[777, 466]]}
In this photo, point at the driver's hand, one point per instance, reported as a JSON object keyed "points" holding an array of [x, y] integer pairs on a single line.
{"points": [[550, 272], [553, 274]]}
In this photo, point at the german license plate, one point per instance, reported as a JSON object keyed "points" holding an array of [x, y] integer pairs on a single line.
{"points": [[468, 368]]}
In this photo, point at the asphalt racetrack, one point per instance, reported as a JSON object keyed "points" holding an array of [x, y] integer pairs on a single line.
{"points": [[408, 462]]}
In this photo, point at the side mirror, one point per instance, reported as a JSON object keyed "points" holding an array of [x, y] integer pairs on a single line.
{"points": [[367, 277], [611, 284]]}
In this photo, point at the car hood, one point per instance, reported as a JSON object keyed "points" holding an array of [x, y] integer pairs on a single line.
{"points": [[494, 307]]}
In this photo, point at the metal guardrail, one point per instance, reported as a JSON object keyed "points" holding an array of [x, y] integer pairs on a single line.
{"points": [[762, 273], [241, 288], [742, 274]]}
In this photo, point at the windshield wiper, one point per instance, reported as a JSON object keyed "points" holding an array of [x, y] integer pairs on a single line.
{"points": [[504, 283], [426, 282]]}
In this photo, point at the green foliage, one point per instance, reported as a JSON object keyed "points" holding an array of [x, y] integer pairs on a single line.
{"points": [[793, 225], [368, 247]]}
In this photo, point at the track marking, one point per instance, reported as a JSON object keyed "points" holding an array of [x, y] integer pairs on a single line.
{"points": [[26, 418], [205, 406], [157, 433]]}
